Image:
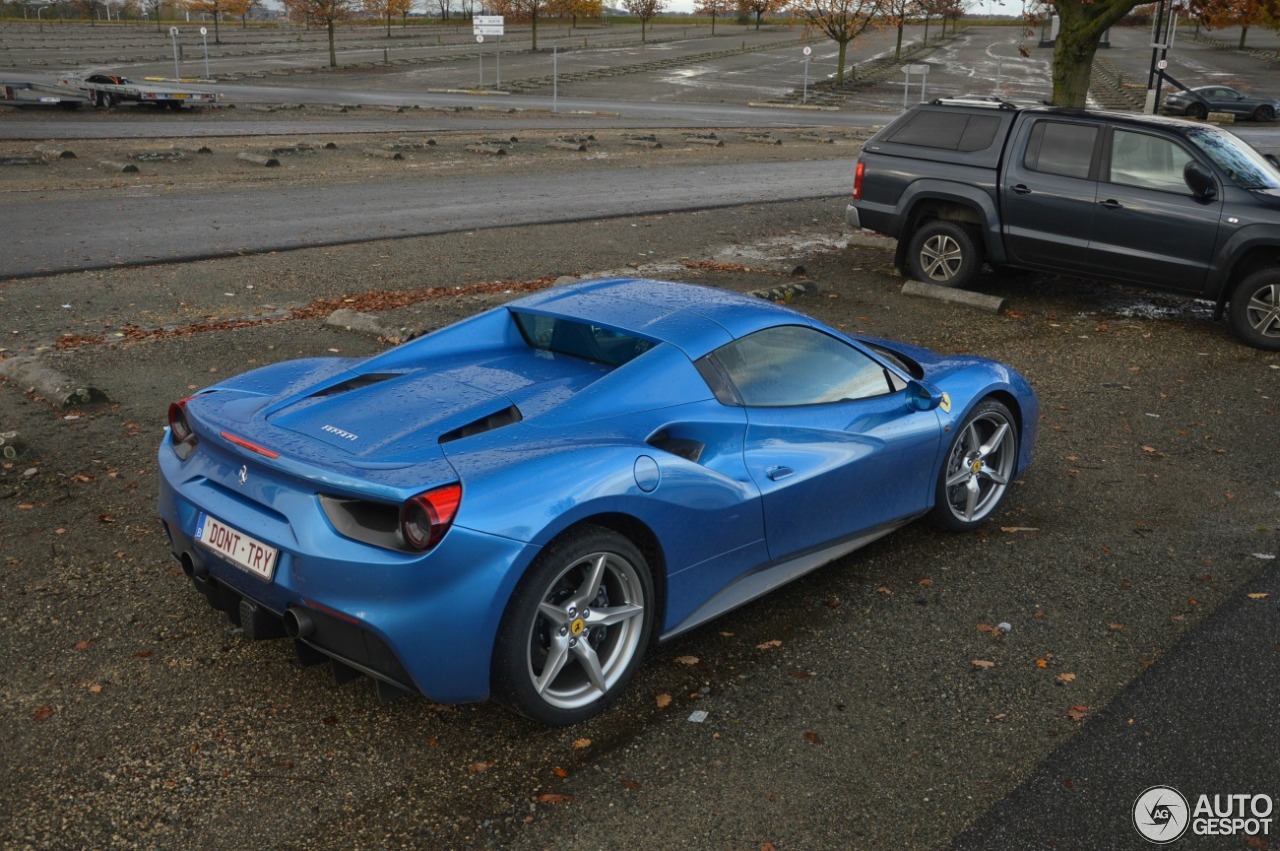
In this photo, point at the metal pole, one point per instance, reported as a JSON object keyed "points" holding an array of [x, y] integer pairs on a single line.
{"points": [[177, 71], [555, 77], [204, 35], [498, 84], [804, 98]]}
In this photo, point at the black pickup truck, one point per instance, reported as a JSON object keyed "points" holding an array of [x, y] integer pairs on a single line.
{"points": [[1143, 200]]}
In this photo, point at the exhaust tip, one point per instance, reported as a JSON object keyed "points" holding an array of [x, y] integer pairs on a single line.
{"points": [[192, 566], [298, 624]]}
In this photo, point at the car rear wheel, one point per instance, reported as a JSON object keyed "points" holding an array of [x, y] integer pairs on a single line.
{"points": [[575, 629], [1198, 111], [1264, 113], [977, 469], [1254, 311], [944, 253]]}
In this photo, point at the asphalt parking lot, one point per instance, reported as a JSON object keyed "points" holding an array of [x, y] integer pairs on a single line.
{"points": [[1135, 564]]}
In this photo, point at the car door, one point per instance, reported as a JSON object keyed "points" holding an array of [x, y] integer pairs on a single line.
{"points": [[831, 441], [1149, 228], [1049, 192]]}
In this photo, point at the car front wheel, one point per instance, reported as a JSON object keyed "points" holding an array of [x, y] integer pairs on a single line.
{"points": [[977, 469], [575, 629], [944, 253], [1254, 311]]}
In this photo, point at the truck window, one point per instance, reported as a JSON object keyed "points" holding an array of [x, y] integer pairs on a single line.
{"points": [[1059, 147], [1151, 162], [952, 131]]}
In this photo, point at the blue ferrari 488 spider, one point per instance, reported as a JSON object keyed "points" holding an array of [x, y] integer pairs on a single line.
{"points": [[517, 505]]}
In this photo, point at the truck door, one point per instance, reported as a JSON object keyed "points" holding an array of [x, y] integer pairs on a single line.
{"points": [[1049, 193], [1149, 228]]}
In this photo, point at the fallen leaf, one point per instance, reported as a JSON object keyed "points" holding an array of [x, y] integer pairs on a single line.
{"points": [[884, 589], [1042, 663], [687, 660], [768, 645], [1115, 627], [802, 674], [988, 629], [832, 602], [982, 663], [925, 583], [83, 645], [663, 701], [813, 738], [631, 785], [1065, 677], [554, 798], [1077, 713], [480, 767], [559, 772], [579, 744], [42, 713], [95, 689], [1260, 595], [768, 846]]}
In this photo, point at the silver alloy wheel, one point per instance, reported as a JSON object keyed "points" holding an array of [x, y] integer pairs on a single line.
{"points": [[1263, 310], [587, 630], [980, 466], [941, 257]]}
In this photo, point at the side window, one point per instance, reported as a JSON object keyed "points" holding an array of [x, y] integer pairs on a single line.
{"points": [[794, 365], [953, 131], [1057, 147], [1150, 162]]}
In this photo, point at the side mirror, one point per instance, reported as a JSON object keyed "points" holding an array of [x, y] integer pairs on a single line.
{"points": [[922, 397], [1200, 180]]}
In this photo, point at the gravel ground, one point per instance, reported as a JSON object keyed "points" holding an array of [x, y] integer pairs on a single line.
{"points": [[845, 711]]}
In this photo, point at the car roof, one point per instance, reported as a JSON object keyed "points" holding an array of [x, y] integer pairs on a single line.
{"points": [[698, 319]]}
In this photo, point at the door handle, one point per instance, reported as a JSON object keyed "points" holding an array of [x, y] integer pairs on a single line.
{"points": [[1111, 204], [776, 473], [1021, 189]]}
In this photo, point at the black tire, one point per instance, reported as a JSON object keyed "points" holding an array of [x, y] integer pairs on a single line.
{"points": [[945, 254], [1254, 312], [585, 609], [1198, 111], [1264, 113], [977, 469], [103, 100]]}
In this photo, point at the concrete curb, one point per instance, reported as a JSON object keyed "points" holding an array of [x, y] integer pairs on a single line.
{"points": [[31, 374], [978, 301]]}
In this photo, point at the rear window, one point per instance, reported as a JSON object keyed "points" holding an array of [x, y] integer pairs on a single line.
{"points": [[952, 131], [561, 336]]}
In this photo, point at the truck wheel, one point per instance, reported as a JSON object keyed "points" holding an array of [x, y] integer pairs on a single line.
{"points": [[943, 253], [1254, 312]]}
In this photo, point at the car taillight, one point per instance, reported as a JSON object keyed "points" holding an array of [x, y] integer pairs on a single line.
{"points": [[181, 436], [426, 517], [857, 180]]}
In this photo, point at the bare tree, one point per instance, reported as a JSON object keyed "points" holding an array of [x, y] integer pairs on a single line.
{"points": [[324, 12], [645, 10], [714, 8], [841, 20]]}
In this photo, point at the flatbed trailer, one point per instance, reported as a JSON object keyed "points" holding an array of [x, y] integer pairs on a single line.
{"points": [[35, 94], [109, 90]]}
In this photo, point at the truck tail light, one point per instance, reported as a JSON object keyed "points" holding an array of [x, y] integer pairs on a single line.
{"points": [[857, 180]]}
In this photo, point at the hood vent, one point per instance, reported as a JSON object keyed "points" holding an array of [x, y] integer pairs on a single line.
{"points": [[496, 420], [356, 383]]}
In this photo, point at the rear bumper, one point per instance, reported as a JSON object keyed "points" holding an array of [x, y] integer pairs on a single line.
{"points": [[424, 623], [851, 217]]}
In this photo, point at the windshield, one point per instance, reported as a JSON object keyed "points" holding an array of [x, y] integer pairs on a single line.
{"points": [[1244, 166]]}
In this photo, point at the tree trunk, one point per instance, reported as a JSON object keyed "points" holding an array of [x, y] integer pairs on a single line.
{"points": [[713, 21], [388, 20], [217, 36], [1073, 54], [1244, 31], [926, 30], [333, 51], [897, 48], [534, 29], [840, 63]]}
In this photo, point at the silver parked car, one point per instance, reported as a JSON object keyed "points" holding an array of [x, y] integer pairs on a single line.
{"points": [[1201, 101]]}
